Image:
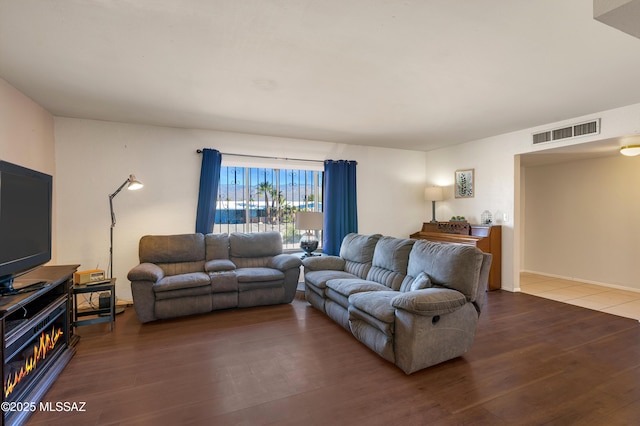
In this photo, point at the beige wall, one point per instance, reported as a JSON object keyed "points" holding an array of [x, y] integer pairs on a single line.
{"points": [[493, 166], [498, 181], [95, 157], [103, 154], [27, 137], [581, 220]]}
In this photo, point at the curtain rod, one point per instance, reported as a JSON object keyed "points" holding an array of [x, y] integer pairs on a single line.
{"points": [[199, 151]]}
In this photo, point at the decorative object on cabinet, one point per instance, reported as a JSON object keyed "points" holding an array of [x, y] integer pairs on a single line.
{"points": [[309, 222], [464, 183], [487, 238], [433, 194], [486, 218]]}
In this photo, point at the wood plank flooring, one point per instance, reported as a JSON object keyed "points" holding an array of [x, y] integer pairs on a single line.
{"points": [[534, 361]]}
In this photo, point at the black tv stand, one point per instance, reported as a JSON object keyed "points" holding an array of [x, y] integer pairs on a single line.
{"points": [[36, 330], [21, 285]]}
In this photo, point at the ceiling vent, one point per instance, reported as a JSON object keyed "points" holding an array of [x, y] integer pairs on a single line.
{"points": [[569, 132]]}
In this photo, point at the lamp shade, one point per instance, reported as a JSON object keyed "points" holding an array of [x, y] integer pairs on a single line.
{"points": [[630, 150], [134, 183], [309, 220], [433, 193]]}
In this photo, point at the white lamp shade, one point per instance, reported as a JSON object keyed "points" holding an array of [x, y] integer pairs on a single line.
{"points": [[433, 193], [134, 183], [309, 220]]}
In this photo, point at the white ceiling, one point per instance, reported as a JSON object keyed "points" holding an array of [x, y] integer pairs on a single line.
{"points": [[413, 74]]}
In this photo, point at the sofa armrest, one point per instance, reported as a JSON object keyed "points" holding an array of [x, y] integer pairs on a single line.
{"points": [[430, 301], [324, 263], [146, 272], [284, 262], [219, 265]]}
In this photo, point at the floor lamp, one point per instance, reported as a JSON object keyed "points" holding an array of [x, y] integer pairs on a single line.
{"points": [[133, 184]]}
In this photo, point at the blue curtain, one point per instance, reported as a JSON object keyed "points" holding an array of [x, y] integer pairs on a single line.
{"points": [[209, 178], [340, 204]]}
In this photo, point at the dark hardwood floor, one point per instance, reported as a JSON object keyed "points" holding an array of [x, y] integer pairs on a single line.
{"points": [[534, 361]]}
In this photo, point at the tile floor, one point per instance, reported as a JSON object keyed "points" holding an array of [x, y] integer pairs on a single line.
{"points": [[617, 302]]}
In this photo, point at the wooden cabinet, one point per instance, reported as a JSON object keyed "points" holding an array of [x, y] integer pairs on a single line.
{"points": [[487, 238]]}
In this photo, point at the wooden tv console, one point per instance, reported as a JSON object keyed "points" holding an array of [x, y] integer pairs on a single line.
{"points": [[487, 238]]}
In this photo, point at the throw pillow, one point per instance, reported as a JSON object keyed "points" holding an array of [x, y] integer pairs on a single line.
{"points": [[420, 282]]}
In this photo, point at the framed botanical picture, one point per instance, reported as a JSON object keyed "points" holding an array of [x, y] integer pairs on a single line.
{"points": [[464, 183]]}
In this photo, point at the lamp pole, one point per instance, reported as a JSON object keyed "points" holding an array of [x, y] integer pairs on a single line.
{"points": [[113, 224], [433, 211], [133, 185], [433, 194]]}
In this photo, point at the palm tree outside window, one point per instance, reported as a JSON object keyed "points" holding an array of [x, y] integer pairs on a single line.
{"points": [[252, 199]]}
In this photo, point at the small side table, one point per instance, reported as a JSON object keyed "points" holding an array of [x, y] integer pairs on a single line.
{"points": [[301, 286], [107, 314]]}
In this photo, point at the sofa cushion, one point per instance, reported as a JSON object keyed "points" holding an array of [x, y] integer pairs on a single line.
{"points": [[319, 278], [171, 248], [392, 254], [349, 286], [175, 254], [182, 281], [245, 275], [219, 265], [357, 251], [421, 282], [453, 266], [339, 290], [216, 246], [390, 259], [358, 248], [259, 244], [375, 303], [430, 301]]}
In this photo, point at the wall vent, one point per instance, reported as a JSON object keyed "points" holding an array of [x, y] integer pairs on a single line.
{"points": [[542, 137], [574, 131]]}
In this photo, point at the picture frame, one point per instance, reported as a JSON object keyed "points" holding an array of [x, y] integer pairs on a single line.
{"points": [[464, 186]]}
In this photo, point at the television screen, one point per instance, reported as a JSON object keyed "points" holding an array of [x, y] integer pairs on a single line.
{"points": [[25, 219]]}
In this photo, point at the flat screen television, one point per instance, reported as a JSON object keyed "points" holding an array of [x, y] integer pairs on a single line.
{"points": [[25, 222]]}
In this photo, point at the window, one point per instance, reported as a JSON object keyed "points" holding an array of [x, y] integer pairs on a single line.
{"points": [[254, 199]]}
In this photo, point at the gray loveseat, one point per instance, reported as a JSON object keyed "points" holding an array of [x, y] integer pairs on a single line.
{"points": [[414, 302], [195, 273]]}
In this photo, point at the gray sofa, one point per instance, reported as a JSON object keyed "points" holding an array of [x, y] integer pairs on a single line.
{"points": [[414, 302], [195, 273]]}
